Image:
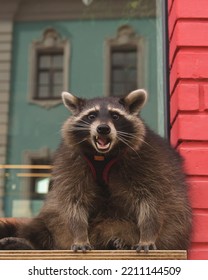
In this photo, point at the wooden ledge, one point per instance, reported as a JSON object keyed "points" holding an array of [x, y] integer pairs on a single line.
{"points": [[93, 255]]}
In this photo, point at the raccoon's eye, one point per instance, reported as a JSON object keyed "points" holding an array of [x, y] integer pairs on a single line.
{"points": [[91, 116], [115, 116]]}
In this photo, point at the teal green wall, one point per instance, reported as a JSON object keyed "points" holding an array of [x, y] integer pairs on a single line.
{"points": [[32, 127]]}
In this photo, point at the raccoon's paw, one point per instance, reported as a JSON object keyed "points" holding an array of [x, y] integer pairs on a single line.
{"points": [[81, 247], [144, 247], [15, 243], [119, 244]]}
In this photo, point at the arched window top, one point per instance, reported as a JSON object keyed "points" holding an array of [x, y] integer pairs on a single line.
{"points": [[51, 38], [125, 34]]}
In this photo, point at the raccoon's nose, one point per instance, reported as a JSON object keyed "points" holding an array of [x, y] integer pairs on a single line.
{"points": [[103, 129]]}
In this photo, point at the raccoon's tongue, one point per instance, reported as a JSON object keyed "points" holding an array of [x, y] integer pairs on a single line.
{"points": [[103, 143]]}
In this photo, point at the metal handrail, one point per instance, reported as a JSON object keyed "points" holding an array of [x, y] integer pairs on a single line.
{"points": [[24, 166]]}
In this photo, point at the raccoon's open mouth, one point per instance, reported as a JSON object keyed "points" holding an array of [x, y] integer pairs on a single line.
{"points": [[102, 143]]}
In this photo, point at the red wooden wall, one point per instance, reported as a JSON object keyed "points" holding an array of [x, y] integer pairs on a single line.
{"points": [[188, 35]]}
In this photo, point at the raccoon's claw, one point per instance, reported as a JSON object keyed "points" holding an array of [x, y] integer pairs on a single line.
{"points": [[144, 247], [81, 247]]}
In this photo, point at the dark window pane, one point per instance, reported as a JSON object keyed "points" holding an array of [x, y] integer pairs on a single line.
{"points": [[118, 75], [44, 78], [49, 75], [58, 78], [131, 58], [117, 58], [58, 61], [43, 91], [57, 89], [44, 61], [123, 71], [130, 87], [118, 89], [132, 75]]}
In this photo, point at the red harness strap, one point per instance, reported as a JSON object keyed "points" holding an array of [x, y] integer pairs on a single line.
{"points": [[107, 169], [100, 168], [91, 166]]}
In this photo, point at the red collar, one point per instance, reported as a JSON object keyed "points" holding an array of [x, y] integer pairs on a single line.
{"points": [[100, 167]]}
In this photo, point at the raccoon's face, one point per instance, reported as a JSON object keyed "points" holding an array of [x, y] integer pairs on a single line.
{"points": [[104, 124]]}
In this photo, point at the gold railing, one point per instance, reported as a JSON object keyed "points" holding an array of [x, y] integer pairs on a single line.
{"points": [[7, 167]]}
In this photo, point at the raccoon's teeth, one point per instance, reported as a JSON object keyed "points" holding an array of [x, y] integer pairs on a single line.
{"points": [[102, 143], [103, 147]]}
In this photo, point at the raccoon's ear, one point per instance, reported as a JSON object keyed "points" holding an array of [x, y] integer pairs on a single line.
{"points": [[135, 100], [72, 103]]}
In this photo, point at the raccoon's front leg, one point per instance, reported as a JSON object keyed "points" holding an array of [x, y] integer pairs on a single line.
{"points": [[149, 226], [81, 241], [79, 228]]}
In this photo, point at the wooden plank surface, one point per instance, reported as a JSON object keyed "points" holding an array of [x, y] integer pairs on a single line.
{"points": [[93, 255]]}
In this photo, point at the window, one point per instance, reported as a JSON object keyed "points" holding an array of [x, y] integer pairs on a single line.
{"points": [[49, 64], [125, 70], [40, 178], [39, 164], [49, 75]]}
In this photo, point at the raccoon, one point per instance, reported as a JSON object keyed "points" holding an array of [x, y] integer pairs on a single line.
{"points": [[115, 183]]}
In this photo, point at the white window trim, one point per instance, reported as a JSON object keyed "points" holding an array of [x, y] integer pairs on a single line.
{"points": [[50, 39], [126, 37]]}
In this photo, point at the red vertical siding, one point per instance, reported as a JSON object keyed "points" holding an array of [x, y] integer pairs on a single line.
{"points": [[188, 35]]}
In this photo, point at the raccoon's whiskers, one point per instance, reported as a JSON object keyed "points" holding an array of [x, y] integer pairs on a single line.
{"points": [[85, 139], [79, 127], [132, 136], [126, 142], [126, 134]]}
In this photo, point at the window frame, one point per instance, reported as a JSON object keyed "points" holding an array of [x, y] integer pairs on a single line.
{"points": [[51, 41], [50, 71], [126, 38], [124, 50]]}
